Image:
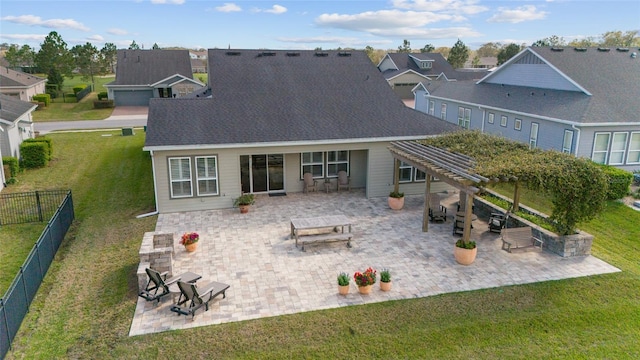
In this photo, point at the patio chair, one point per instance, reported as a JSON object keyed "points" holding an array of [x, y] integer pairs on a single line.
{"points": [[310, 184], [497, 222], [343, 181], [437, 212], [158, 285], [458, 226], [195, 297]]}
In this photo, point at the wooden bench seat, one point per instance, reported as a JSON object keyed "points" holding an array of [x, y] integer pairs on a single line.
{"points": [[327, 237], [519, 238]]}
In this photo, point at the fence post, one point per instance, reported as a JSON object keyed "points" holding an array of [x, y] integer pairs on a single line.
{"points": [[39, 206], [6, 323]]}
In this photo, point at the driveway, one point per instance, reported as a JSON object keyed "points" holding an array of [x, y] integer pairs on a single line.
{"points": [[269, 276]]}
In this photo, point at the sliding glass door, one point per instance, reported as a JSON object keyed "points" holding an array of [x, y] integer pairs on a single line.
{"points": [[262, 173]]}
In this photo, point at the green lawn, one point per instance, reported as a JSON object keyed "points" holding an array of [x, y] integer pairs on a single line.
{"points": [[85, 307], [16, 241], [83, 110]]}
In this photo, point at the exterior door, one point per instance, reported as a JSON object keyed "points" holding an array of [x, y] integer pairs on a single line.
{"points": [[262, 173]]}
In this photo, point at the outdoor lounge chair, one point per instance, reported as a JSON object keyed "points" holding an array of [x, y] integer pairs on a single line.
{"points": [[497, 222], [158, 284], [343, 181], [309, 183], [437, 212], [195, 297]]}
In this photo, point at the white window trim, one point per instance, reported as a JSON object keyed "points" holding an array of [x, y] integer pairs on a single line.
{"points": [[622, 151], [404, 165], [215, 177], [491, 117], [630, 150], [606, 151], [464, 119], [517, 124], [443, 111], [337, 162], [312, 163], [415, 175], [533, 138], [504, 120], [567, 134], [432, 107], [171, 180]]}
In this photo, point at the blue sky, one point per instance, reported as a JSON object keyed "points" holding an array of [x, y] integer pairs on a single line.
{"points": [[304, 24]]}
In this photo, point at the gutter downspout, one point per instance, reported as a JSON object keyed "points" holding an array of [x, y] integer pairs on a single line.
{"points": [[155, 189], [573, 126]]}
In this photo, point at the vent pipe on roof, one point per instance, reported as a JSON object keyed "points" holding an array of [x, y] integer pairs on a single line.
{"points": [[633, 55], [621, 49]]}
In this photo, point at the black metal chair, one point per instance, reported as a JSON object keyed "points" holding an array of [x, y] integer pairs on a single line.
{"points": [[497, 221], [458, 226]]}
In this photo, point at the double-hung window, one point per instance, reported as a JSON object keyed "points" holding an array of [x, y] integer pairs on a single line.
{"points": [[443, 111], [313, 162], [432, 107], [567, 141], [517, 124], [406, 172], [533, 136], [600, 148], [491, 118], [633, 157], [180, 177], [503, 121], [337, 161], [207, 175], [464, 117], [618, 148]]}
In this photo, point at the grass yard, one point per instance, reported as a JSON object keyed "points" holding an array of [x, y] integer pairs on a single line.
{"points": [[83, 110], [16, 241], [85, 307]]}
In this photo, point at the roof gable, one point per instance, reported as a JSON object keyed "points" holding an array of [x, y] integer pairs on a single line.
{"points": [[12, 109], [12, 78], [288, 96], [145, 67]]}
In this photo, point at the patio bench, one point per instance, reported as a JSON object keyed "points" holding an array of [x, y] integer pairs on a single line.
{"points": [[519, 238]]}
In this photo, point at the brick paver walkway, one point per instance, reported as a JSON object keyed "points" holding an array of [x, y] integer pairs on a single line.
{"points": [[269, 276]]}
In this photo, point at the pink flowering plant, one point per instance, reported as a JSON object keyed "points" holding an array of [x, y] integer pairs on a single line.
{"points": [[368, 277], [189, 238]]}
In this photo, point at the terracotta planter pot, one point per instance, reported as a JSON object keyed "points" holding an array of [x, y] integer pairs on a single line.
{"points": [[191, 247], [365, 290], [385, 286], [244, 209], [343, 289], [395, 203], [465, 256]]}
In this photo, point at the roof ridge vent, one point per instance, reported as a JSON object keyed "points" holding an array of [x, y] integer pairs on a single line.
{"points": [[580, 49], [233, 53], [293, 53], [267, 53], [557, 49], [622, 49], [344, 53], [604, 49], [322, 53]]}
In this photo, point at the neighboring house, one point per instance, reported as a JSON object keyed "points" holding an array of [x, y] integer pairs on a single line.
{"points": [[198, 54], [485, 62], [404, 71], [583, 101], [145, 74], [20, 85], [199, 65], [16, 124], [272, 116]]}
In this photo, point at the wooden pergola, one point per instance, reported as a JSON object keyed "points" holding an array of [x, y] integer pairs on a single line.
{"points": [[454, 169]]}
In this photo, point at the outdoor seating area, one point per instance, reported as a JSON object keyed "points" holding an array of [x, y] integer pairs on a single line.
{"points": [[269, 276]]}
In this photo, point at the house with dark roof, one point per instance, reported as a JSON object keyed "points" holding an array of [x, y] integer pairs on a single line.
{"points": [[16, 125], [20, 85], [404, 71], [270, 117], [145, 74], [582, 101]]}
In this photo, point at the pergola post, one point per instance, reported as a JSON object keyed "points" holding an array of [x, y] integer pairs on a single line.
{"points": [[468, 213], [396, 175], [427, 205], [516, 197]]}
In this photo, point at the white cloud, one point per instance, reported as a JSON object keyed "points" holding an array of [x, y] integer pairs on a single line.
{"points": [[447, 6], [116, 31], [175, 2], [24, 37], [339, 40], [383, 19], [228, 7], [95, 38], [277, 9], [519, 14], [33, 20]]}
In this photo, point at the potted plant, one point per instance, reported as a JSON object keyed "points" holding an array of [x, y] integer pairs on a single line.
{"points": [[243, 202], [385, 280], [396, 200], [190, 241], [465, 252], [365, 280], [343, 283]]}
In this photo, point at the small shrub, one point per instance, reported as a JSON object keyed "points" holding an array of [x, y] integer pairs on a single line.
{"points": [[12, 164], [42, 98], [47, 141], [103, 95], [619, 181], [103, 104], [11, 181], [77, 89], [396, 195], [33, 154], [343, 279]]}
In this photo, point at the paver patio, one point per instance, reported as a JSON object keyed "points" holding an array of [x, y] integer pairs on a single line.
{"points": [[269, 276]]}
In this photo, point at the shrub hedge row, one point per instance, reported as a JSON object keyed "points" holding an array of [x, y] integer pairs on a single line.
{"points": [[103, 104], [47, 141], [13, 165], [34, 155], [78, 88], [42, 98], [103, 95], [619, 182]]}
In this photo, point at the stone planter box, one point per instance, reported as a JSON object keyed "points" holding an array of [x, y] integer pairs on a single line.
{"points": [[578, 244], [156, 252]]}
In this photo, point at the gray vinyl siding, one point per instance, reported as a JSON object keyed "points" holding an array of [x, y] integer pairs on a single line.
{"points": [[532, 75], [387, 64]]}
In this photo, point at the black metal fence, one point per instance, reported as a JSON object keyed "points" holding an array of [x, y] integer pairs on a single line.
{"points": [[16, 301], [28, 207], [84, 92]]}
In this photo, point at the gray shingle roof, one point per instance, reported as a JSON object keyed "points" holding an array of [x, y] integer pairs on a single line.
{"points": [[11, 108], [288, 96], [11, 78], [613, 79], [439, 65], [145, 67]]}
